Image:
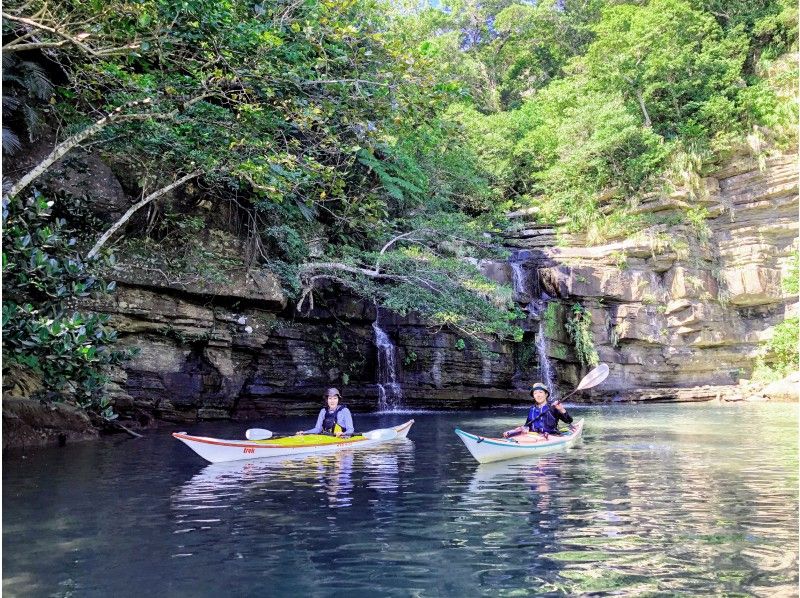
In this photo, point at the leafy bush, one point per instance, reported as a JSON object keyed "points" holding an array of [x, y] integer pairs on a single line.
{"points": [[43, 275], [780, 355]]}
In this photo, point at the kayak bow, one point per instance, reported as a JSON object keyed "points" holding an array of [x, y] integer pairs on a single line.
{"points": [[487, 450], [217, 450]]}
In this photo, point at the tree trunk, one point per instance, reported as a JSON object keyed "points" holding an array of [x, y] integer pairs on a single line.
{"points": [[647, 122]]}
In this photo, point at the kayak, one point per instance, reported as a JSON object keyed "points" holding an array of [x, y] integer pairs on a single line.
{"points": [[218, 450], [487, 450]]}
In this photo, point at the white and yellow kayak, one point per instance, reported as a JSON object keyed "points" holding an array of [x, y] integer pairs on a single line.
{"points": [[218, 450], [487, 450]]}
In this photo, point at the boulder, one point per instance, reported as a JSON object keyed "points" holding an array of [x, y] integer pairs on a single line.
{"points": [[29, 423]]}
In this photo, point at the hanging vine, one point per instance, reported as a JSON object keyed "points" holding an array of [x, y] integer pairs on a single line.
{"points": [[579, 327]]}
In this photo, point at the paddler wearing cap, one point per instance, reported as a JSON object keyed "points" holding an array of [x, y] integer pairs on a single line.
{"points": [[334, 419], [543, 417]]}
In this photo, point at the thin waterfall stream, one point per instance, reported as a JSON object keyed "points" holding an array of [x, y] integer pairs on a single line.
{"points": [[545, 367], [390, 394], [535, 304]]}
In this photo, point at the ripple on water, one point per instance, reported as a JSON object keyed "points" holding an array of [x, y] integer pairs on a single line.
{"points": [[651, 502]]}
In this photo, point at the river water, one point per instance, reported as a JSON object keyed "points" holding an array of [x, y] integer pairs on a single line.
{"points": [[654, 500]]}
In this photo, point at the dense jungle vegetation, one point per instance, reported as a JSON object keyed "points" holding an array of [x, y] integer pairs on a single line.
{"points": [[371, 144]]}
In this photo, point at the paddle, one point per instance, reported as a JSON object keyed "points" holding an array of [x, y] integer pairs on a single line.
{"points": [[590, 380], [257, 434], [381, 434]]}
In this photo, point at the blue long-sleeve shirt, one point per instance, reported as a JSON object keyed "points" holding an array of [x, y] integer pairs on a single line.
{"points": [[344, 418], [545, 418]]}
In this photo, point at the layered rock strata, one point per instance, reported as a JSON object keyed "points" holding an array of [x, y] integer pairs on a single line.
{"points": [[678, 313], [680, 304]]}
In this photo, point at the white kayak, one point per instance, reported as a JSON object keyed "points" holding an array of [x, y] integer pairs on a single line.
{"points": [[487, 450], [218, 450]]}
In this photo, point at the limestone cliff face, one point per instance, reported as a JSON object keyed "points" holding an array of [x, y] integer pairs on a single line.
{"points": [[681, 305], [674, 308]]}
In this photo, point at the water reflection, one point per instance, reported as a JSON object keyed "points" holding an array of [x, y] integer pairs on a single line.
{"points": [[664, 500], [220, 485]]}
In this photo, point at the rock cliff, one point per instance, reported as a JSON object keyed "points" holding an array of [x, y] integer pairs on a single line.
{"points": [[678, 312], [680, 305]]}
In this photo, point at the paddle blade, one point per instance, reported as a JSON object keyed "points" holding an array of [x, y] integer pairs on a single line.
{"points": [[381, 434], [257, 434], [593, 378]]}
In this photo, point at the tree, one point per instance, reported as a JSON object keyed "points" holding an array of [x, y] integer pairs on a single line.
{"points": [[671, 61]]}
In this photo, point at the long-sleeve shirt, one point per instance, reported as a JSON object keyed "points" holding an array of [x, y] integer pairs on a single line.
{"points": [[545, 418], [344, 418]]}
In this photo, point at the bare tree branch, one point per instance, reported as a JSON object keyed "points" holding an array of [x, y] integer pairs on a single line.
{"points": [[155, 195], [65, 146], [32, 46], [76, 40]]}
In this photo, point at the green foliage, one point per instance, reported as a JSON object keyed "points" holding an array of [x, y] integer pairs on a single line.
{"points": [[779, 356], [672, 60], [525, 354], [26, 89], [789, 283], [333, 126], [696, 217], [43, 275], [550, 316], [338, 356], [594, 115], [431, 270], [579, 328]]}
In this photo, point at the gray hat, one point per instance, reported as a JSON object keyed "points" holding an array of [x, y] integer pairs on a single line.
{"points": [[333, 392], [540, 386]]}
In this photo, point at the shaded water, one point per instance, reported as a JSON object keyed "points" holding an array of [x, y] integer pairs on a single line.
{"points": [[655, 500]]}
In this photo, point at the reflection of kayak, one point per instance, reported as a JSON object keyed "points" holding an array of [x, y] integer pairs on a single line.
{"points": [[486, 450], [218, 450]]}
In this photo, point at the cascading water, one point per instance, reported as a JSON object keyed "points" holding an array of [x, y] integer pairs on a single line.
{"points": [[390, 395], [519, 280], [529, 294], [545, 369]]}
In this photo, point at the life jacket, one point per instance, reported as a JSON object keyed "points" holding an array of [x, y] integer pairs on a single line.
{"points": [[329, 423], [544, 422]]}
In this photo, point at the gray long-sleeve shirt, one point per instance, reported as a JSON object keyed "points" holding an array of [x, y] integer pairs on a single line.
{"points": [[344, 418]]}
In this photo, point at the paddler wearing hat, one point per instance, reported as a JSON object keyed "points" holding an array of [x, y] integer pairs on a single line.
{"points": [[543, 417], [334, 418]]}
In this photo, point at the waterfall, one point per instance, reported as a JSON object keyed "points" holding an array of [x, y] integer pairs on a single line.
{"points": [[533, 299], [390, 394], [520, 283], [545, 369]]}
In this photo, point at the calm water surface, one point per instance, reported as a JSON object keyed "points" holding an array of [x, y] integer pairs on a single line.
{"points": [[655, 500]]}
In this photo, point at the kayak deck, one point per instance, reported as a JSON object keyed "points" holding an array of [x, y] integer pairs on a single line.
{"points": [[487, 450], [308, 440]]}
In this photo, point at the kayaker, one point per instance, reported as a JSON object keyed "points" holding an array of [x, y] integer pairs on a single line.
{"points": [[543, 417], [334, 418]]}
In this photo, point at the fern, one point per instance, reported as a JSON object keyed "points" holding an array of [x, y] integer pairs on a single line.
{"points": [[395, 185], [25, 84], [11, 142]]}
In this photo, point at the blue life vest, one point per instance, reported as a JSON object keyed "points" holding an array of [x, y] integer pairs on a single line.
{"points": [[329, 423], [541, 419]]}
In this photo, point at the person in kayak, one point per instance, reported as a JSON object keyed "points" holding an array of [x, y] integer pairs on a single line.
{"points": [[334, 418], [543, 417]]}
